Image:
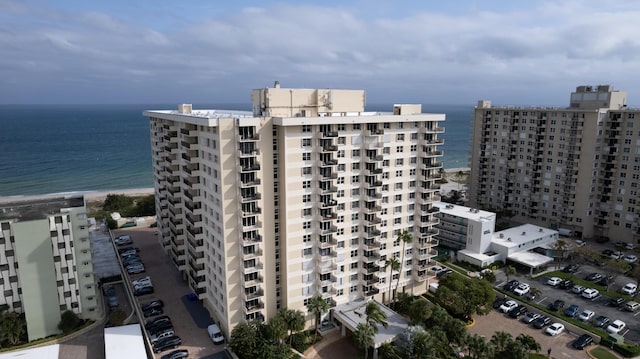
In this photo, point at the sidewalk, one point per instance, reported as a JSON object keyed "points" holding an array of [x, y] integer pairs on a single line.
{"points": [[332, 346]]}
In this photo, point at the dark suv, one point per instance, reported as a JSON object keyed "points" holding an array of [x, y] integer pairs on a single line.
{"points": [[558, 304], [518, 311], [143, 291], [582, 341], [166, 343]]}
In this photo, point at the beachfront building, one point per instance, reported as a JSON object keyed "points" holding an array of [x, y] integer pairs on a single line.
{"points": [[45, 261], [472, 233], [306, 195], [573, 169]]}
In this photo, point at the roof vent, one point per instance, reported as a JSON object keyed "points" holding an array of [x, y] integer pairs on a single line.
{"points": [[509, 239], [539, 229], [501, 235], [185, 108], [524, 233]]}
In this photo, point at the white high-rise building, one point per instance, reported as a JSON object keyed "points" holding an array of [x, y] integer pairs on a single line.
{"points": [[303, 196], [575, 169]]}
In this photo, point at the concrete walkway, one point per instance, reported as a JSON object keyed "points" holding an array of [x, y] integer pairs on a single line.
{"points": [[332, 346]]}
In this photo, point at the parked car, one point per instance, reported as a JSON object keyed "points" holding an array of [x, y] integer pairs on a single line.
{"points": [[529, 295], [606, 280], [541, 322], [630, 246], [177, 354], [113, 302], [511, 285], [443, 272], [154, 303], [590, 293], [571, 268], [583, 341], [630, 258], [517, 311], [631, 306], [140, 291], [616, 255], [601, 321], [135, 268], [616, 302], [123, 240], [508, 306], [592, 277], [161, 335], [556, 305], [629, 288], [554, 281], [141, 282], [607, 252], [555, 329], [128, 249], [167, 343], [566, 284], [151, 312], [159, 327], [498, 302], [530, 317], [586, 315], [616, 326], [152, 322], [522, 289], [215, 334], [572, 311], [577, 289], [580, 243]]}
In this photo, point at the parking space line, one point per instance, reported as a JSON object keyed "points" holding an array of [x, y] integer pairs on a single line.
{"points": [[543, 299], [636, 314]]}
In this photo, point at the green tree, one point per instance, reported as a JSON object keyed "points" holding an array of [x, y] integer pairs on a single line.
{"points": [[489, 276], [529, 342], [69, 321], [394, 265], [403, 302], [509, 271], [14, 327], [559, 251], [388, 351], [405, 237], [276, 329], [364, 336], [145, 206], [613, 268], [294, 319], [317, 306], [463, 297], [117, 202], [246, 340], [478, 347], [375, 316], [500, 340], [419, 311]]}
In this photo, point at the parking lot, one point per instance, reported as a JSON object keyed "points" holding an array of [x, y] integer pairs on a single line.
{"points": [[189, 319], [599, 304], [495, 321]]}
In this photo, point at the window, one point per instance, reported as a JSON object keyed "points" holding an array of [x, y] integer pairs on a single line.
{"points": [[306, 170], [400, 149], [341, 154], [342, 140], [398, 197], [306, 212], [399, 173], [400, 136], [306, 184], [307, 251], [355, 191], [400, 161], [306, 225], [306, 142], [355, 179], [306, 198], [355, 166], [355, 153], [306, 128], [306, 238], [306, 156], [398, 186], [356, 126]]}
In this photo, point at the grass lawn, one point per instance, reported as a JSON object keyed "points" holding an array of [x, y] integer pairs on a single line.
{"points": [[602, 353]]}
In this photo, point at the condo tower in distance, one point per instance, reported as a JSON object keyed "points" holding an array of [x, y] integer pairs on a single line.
{"points": [[306, 195], [574, 168]]}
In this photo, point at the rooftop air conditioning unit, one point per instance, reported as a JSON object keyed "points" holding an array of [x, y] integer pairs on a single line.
{"points": [[524, 233]]}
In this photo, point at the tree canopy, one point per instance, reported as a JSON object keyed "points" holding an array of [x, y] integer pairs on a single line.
{"points": [[463, 297]]}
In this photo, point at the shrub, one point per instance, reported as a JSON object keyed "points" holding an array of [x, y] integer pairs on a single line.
{"points": [[69, 321]]}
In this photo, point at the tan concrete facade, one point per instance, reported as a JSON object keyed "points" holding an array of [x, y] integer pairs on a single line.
{"points": [[574, 168], [303, 196]]}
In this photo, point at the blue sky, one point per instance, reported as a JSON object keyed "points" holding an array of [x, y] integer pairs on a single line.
{"points": [[450, 52]]}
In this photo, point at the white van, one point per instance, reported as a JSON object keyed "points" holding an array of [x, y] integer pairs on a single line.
{"points": [[631, 306], [215, 334]]}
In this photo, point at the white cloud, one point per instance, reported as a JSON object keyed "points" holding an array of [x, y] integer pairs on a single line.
{"points": [[528, 56]]}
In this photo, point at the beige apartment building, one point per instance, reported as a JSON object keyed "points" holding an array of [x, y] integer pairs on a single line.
{"points": [[574, 168], [46, 265], [305, 195]]}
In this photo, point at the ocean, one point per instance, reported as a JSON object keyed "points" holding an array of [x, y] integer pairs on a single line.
{"points": [[64, 148]]}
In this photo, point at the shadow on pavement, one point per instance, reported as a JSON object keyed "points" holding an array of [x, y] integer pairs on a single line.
{"points": [[199, 315]]}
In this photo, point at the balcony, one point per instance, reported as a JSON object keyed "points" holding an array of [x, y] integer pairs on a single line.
{"points": [[329, 230], [329, 203], [376, 158], [373, 171], [329, 175], [372, 291], [250, 226], [329, 134], [251, 211], [372, 234], [372, 257], [253, 267], [421, 276], [376, 132], [248, 296], [329, 148], [373, 194], [251, 197], [373, 184], [253, 306], [250, 167], [250, 254], [328, 215], [250, 183], [426, 243], [373, 269], [328, 162], [245, 153], [328, 189], [373, 280], [372, 220], [327, 242], [427, 254], [372, 244], [251, 239], [249, 137], [372, 209]]}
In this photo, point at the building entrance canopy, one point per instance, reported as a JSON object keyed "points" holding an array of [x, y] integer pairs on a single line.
{"points": [[529, 259]]}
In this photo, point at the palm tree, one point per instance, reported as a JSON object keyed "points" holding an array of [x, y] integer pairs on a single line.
{"points": [[294, 319], [317, 305], [394, 265], [13, 327], [364, 336], [529, 342], [559, 248], [478, 347], [509, 271], [375, 316], [276, 329], [405, 237], [500, 340]]}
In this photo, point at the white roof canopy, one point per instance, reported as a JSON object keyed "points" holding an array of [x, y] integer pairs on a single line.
{"points": [[530, 259]]}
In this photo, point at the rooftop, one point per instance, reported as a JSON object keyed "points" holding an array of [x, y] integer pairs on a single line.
{"points": [[40, 207], [515, 236], [353, 313], [465, 212]]}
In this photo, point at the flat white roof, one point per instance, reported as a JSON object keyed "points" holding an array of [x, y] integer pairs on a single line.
{"points": [[45, 352], [479, 256], [464, 212], [125, 341], [353, 313], [530, 259], [515, 236]]}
